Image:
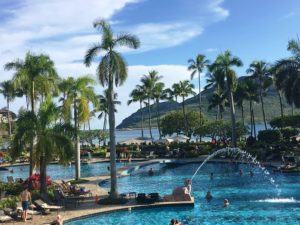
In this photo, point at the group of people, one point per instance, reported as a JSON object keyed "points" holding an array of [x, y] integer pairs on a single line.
{"points": [[209, 197], [175, 222], [241, 173]]}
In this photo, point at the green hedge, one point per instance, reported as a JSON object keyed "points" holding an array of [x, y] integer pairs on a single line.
{"points": [[10, 202], [269, 136], [286, 121], [288, 132]]}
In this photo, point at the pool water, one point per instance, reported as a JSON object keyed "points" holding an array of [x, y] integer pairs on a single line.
{"points": [[261, 199], [58, 172]]}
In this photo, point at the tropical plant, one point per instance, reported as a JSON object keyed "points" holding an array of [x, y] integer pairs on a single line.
{"points": [[80, 92], [250, 90], [51, 142], [8, 91], [223, 64], [103, 108], [28, 72], [185, 88], [260, 71], [197, 66], [159, 94], [217, 99], [138, 95], [286, 74], [148, 83], [112, 70]]}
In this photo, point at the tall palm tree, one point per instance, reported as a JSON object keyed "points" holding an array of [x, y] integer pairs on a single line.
{"points": [[251, 93], [217, 100], [260, 71], [103, 108], [50, 143], [223, 64], [148, 83], [28, 71], [185, 89], [240, 97], [197, 66], [112, 70], [159, 94], [78, 96], [138, 95], [287, 74], [8, 91]]}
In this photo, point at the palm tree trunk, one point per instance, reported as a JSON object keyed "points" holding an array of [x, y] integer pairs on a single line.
{"points": [[233, 129], [43, 184], [149, 112], [251, 120], [8, 118], [104, 128], [158, 119], [77, 143], [184, 115], [292, 105], [112, 139], [142, 119], [281, 107], [243, 118], [263, 108], [218, 112], [200, 108], [32, 140]]}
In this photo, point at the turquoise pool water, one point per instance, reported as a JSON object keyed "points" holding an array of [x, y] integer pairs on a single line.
{"points": [[253, 200], [58, 172]]}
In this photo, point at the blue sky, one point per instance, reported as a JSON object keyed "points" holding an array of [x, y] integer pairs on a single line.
{"points": [[171, 32]]}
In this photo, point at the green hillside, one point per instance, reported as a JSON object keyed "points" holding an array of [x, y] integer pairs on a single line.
{"points": [[271, 100]]}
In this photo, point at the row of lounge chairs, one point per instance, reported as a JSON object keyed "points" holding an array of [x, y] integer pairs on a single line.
{"points": [[142, 198]]}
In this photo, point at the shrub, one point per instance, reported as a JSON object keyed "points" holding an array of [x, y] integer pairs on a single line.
{"points": [[269, 136], [286, 121], [288, 132], [10, 202], [12, 188]]}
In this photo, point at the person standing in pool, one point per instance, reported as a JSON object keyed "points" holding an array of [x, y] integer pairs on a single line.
{"points": [[25, 198], [151, 172]]}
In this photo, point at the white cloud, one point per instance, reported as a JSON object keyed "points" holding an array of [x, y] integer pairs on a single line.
{"points": [[288, 15], [211, 49], [63, 30]]}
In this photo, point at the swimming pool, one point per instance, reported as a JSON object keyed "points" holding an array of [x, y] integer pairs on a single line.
{"points": [[58, 172], [253, 200]]}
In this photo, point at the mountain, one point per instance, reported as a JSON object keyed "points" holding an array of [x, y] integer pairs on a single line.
{"points": [[271, 101]]}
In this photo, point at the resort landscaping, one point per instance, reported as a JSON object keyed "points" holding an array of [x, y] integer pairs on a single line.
{"points": [[227, 161]]}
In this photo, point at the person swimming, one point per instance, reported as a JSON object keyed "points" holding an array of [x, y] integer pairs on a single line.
{"points": [[251, 174], [208, 196], [241, 172], [226, 202], [211, 176], [151, 172]]}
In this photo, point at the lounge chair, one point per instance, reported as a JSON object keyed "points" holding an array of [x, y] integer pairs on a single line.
{"points": [[151, 155], [141, 198], [80, 191], [4, 218], [65, 200], [154, 197], [45, 207]]}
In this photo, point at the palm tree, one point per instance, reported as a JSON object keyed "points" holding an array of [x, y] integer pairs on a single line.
{"points": [[148, 83], [159, 94], [223, 64], [239, 97], [138, 95], [251, 94], [112, 70], [8, 92], [217, 100], [103, 100], [50, 142], [197, 66], [185, 89], [79, 95], [287, 74], [261, 72], [28, 71]]}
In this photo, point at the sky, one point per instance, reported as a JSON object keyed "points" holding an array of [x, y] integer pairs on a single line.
{"points": [[170, 31]]}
